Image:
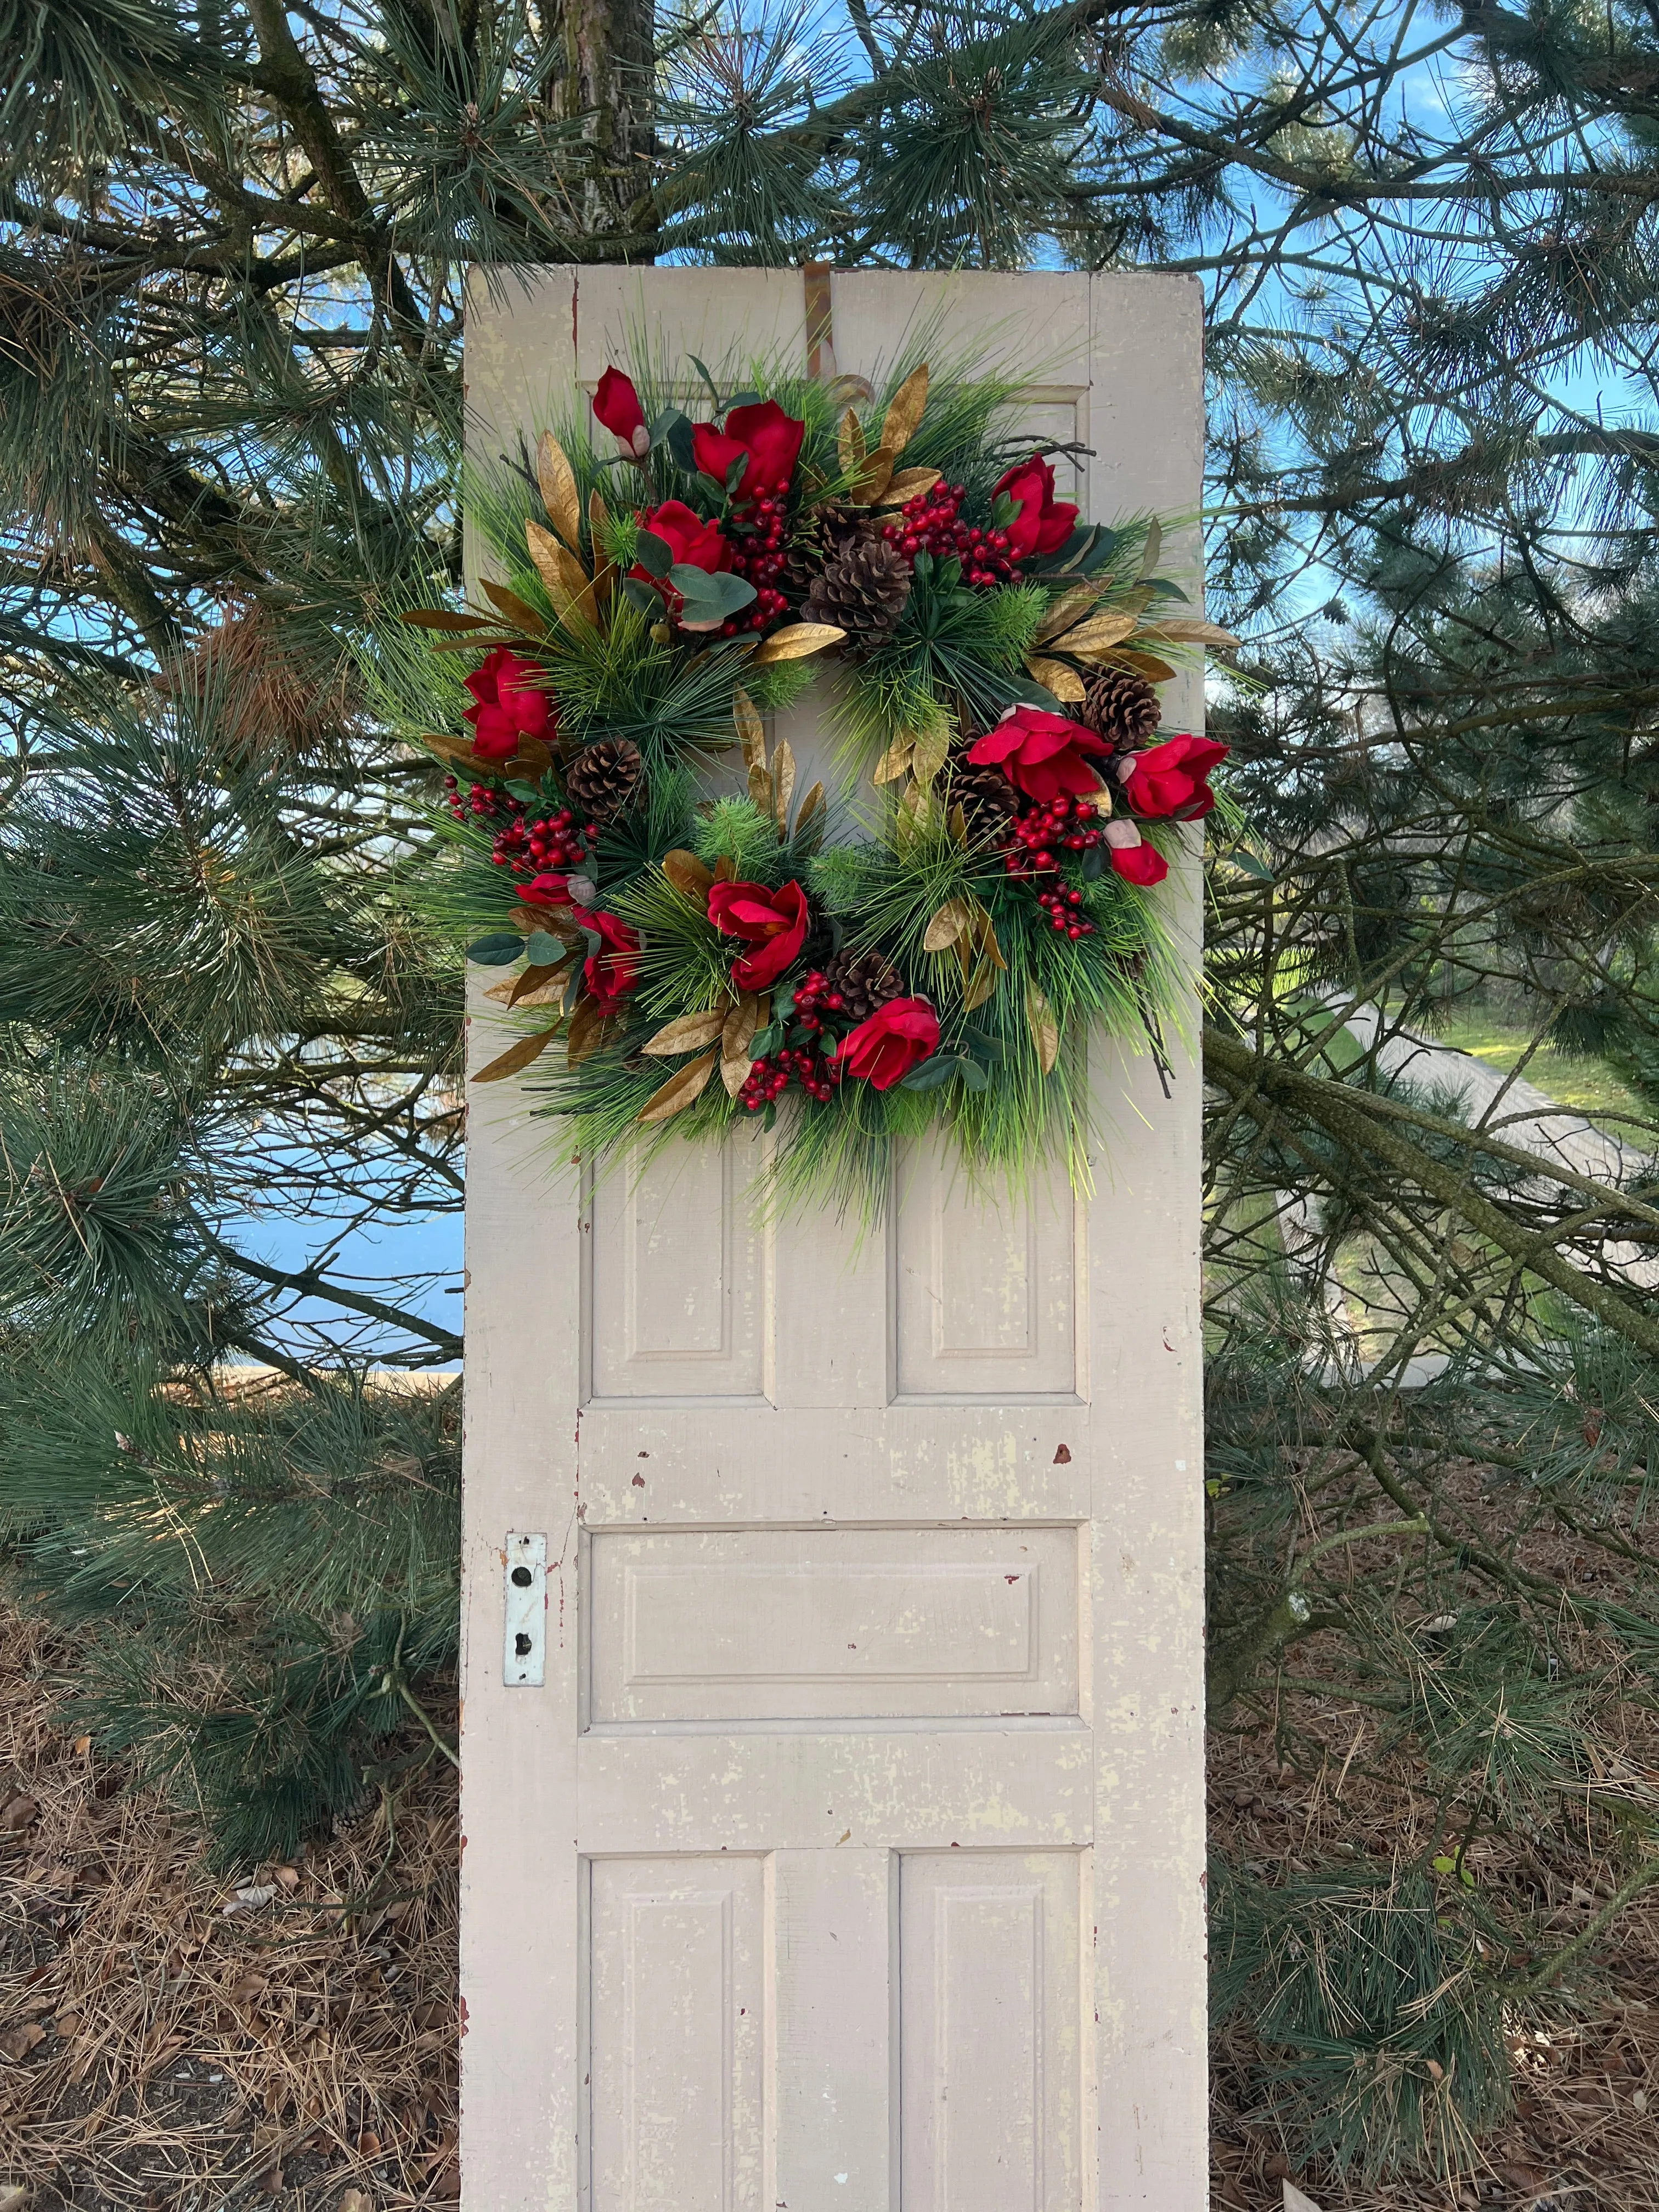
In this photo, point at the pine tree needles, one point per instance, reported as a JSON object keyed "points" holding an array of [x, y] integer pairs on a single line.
{"points": [[260, 1572]]}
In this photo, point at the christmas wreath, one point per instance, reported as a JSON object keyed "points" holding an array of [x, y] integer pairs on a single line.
{"points": [[686, 947]]}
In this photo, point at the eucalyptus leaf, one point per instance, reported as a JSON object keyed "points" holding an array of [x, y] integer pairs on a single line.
{"points": [[653, 553], [681, 451], [932, 1075], [498, 949]]}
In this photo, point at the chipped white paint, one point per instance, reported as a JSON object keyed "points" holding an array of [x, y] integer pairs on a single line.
{"points": [[853, 1851]]}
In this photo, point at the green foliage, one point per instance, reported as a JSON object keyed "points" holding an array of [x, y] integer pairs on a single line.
{"points": [[230, 335], [1373, 1995], [258, 1574]]}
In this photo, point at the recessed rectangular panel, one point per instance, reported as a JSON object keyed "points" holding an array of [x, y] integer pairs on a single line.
{"points": [[984, 1282], [828, 1623], [677, 1277], [990, 2063], [676, 2013]]}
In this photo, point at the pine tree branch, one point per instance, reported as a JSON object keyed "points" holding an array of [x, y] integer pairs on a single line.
{"points": [[1360, 1119]]}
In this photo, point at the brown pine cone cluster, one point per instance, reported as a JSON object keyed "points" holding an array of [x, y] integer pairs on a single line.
{"points": [[1120, 705], [864, 982], [603, 777], [984, 793], [864, 589]]}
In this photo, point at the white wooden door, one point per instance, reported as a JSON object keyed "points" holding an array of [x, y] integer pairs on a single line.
{"points": [[848, 1855]]}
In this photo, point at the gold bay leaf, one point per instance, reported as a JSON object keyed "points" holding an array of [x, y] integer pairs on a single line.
{"points": [[560, 496], [687, 1033], [690, 878], [726, 869], [760, 787], [588, 1025], [905, 410], [751, 729], [1054, 675], [849, 442], [442, 618], [741, 1023], [1045, 1030], [451, 749], [550, 994], [986, 938], [872, 478], [519, 612], [896, 761], [520, 989], [527, 920], [981, 988], [948, 924], [1152, 550], [1144, 663], [1067, 610], [1183, 630], [682, 1089], [796, 642], [907, 485], [517, 1055], [931, 750], [811, 807], [598, 514], [1093, 635], [783, 780], [956, 822]]}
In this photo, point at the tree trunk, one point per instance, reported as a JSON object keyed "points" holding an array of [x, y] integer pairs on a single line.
{"points": [[608, 79]]}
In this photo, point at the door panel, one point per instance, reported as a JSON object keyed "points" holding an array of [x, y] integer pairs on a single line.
{"points": [[677, 2007], [833, 1623], [984, 1302], [849, 1857], [679, 1280], [988, 2031]]}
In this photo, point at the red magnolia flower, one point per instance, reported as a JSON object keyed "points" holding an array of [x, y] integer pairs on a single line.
{"points": [[769, 437], [546, 889], [508, 704], [1042, 523], [618, 406], [611, 973], [1131, 857], [773, 921], [687, 537], [1041, 755], [888, 1045], [1172, 778]]}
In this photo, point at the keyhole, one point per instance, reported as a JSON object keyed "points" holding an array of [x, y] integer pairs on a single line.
{"points": [[521, 1645], [522, 1577]]}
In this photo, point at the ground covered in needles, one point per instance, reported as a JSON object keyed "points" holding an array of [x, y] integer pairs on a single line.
{"points": [[172, 2038]]}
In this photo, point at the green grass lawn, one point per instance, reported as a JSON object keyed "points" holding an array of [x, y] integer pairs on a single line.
{"points": [[1583, 1081]]}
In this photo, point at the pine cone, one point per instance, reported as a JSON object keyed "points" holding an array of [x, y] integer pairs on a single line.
{"points": [[864, 982], [603, 777], [1120, 705], [820, 533], [984, 794], [864, 590], [834, 523]]}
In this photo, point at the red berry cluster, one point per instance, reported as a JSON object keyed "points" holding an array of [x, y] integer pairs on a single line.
{"points": [[758, 553], [815, 1005], [552, 840], [482, 801], [770, 1077], [1046, 830], [933, 524], [1061, 907]]}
